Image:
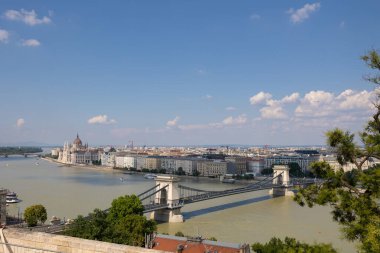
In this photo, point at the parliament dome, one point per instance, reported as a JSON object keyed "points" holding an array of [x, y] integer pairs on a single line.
{"points": [[77, 141]]}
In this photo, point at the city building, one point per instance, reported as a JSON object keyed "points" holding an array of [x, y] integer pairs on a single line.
{"points": [[125, 160], [108, 159], [303, 161], [140, 162], [256, 165], [213, 168], [239, 162], [188, 165], [77, 153], [152, 162], [169, 164]]}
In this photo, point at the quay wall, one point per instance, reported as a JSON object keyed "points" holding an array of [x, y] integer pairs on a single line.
{"points": [[60, 243]]}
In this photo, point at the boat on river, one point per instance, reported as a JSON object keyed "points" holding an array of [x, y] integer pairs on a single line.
{"points": [[11, 198], [150, 176], [228, 181]]}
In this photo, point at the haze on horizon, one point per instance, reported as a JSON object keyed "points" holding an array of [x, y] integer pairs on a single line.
{"points": [[184, 72]]}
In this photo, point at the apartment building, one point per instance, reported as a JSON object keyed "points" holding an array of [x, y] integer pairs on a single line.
{"points": [[240, 164]]}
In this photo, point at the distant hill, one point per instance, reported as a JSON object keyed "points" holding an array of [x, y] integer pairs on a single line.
{"points": [[26, 144]]}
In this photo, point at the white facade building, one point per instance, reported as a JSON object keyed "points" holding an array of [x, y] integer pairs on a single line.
{"points": [[77, 153]]}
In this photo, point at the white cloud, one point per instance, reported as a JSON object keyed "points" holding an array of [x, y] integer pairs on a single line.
{"points": [[230, 108], [239, 120], [173, 122], [356, 100], [323, 104], [274, 108], [273, 112], [301, 14], [28, 17], [31, 43], [4, 35], [20, 122], [291, 98], [260, 98], [255, 16], [101, 119]]}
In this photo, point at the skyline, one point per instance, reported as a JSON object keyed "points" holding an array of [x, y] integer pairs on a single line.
{"points": [[184, 73]]}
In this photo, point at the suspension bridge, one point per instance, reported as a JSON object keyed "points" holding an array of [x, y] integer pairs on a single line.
{"points": [[165, 200]]}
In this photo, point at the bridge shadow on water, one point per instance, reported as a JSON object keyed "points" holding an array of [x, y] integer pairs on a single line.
{"points": [[192, 214]]}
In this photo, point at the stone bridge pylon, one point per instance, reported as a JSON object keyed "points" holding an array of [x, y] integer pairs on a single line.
{"points": [[170, 196], [281, 179]]}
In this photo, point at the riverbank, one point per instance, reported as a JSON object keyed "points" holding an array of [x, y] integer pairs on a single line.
{"points": [[80, 166]]}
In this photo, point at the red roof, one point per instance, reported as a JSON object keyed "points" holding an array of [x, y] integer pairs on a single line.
{"points": [[188, 246]]}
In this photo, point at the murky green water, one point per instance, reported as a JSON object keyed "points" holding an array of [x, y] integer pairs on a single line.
{"points": [[250, 217]]}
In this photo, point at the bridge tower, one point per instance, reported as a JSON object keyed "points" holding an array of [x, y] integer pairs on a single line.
{"points": [[282, 180], [170, 195]]}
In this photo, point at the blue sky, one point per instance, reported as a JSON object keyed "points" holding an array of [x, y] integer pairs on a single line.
{"points": [[184, 72]]}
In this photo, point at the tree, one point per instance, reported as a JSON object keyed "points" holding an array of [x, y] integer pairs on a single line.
{"points": [[179, 233], [124, 223], [125, 205], [354, 195], [295, 170], [290, 245], [267, 171], [34, 214], [180, 171]]}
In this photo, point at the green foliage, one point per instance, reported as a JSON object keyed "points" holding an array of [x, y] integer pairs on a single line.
{"points": [[98, 162], [212, 239], [267, 171], [180, 171], [295, 170], [19, 150], [124, 223], [372, 59], [196, 173], [34, 214], [290, 245], [125, 205], [245, 177], [355, 195], [179, 233]]}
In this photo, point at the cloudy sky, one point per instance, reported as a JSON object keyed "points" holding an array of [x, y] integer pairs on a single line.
{"points": [[184, 72]]}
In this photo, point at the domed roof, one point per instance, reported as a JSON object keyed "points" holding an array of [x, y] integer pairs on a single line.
{"points": [[77, 141]]}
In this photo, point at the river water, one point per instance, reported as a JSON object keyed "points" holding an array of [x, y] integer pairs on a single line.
{"points": [[250, 217]]}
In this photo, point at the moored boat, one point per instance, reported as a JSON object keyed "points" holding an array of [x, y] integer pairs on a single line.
{"points": [[11, 198], [150, 176], [228, 181]]}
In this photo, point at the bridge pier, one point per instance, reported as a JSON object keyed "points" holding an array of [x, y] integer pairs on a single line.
{"points": [[281, 178], [169, 196]]}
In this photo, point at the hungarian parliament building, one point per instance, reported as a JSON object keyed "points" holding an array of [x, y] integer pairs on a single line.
{"points": [[77, 153]]}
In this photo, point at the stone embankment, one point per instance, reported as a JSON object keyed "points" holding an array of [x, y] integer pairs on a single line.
{"points": [[96, 167], [28, 242]]}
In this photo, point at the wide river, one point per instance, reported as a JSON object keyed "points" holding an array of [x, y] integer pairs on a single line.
{"points": [[250, 217]]}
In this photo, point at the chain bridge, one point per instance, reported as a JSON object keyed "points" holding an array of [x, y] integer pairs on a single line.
{"points": [[165, 200]]}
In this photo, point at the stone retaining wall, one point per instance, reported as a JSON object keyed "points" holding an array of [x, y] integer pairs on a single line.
{"points": [[63, 244]]}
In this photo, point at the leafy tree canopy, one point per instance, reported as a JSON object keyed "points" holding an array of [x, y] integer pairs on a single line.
{"points": [[124, 223], [290, 245], [35, 214], [353, 195]]}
